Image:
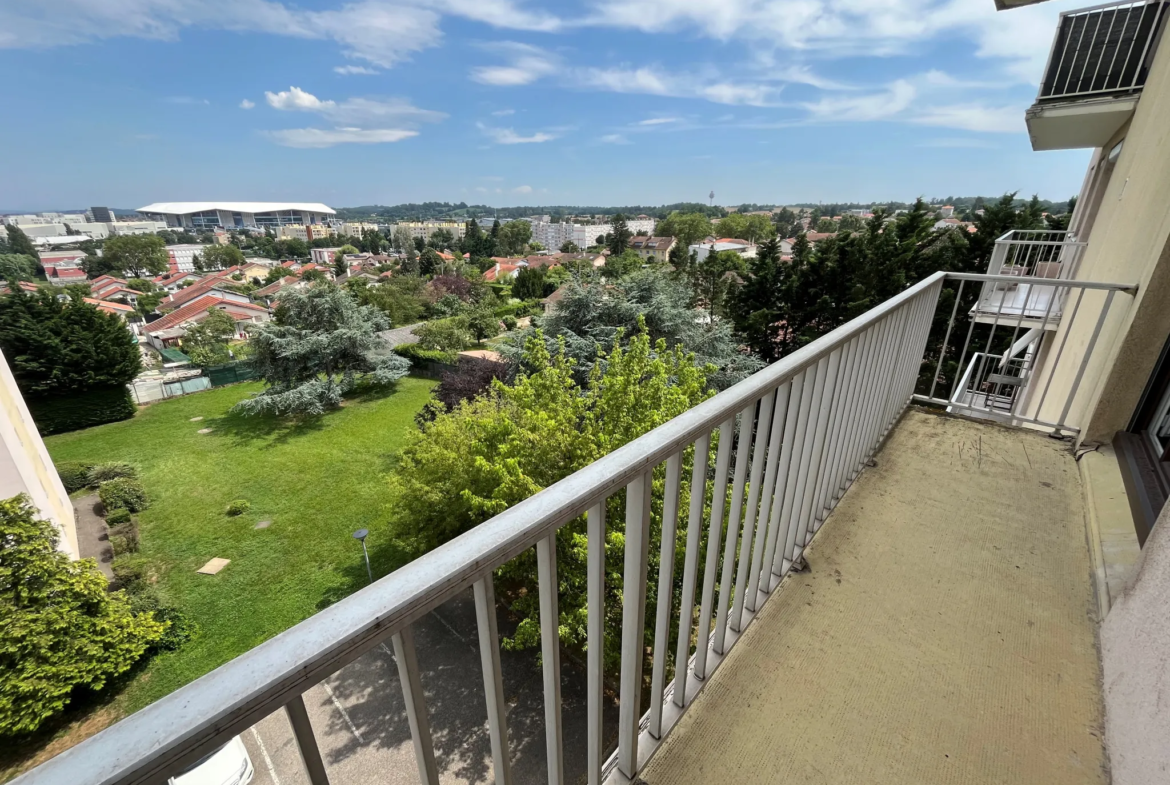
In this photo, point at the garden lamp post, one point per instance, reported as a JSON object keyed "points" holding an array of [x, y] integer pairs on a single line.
{"points": [[360, 535]]}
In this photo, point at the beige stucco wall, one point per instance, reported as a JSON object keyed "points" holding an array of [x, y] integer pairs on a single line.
{"points": [[1135, 639], [1129, 243], [25, 466]]}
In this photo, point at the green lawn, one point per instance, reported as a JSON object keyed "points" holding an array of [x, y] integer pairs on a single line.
{"points": [[317, 480]]}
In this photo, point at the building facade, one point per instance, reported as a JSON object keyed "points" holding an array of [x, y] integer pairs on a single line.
{"points": [[237, 215]]}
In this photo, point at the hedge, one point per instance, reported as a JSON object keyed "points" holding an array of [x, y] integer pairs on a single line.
{"points": [[74, 475], [123, 492], [521, 309], [59, 414], [418, 355]]}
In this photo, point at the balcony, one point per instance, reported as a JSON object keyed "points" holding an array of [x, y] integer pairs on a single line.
{"points": [[860, 594], [1098, 65], [1026, 257]]}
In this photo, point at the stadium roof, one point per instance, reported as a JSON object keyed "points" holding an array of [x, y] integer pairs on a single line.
{"points": [[183, 208]]}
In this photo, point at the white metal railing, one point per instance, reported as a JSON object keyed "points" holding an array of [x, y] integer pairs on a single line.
{"points": [[773, 455], [1103, 50], [1028, 256]]}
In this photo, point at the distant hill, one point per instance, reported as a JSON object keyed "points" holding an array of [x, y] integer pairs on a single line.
{"points": [[462, 210]]}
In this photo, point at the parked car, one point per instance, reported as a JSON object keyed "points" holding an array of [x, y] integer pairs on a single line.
{"points": [[228, 765]]}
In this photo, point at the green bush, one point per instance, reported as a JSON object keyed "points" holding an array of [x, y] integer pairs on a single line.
{"points": [[117, 515], [124, 538], [58, 414], [74, 475], [448, 335], [238, 507], [416, 354], [180, 628], [104, 472], [509, 322], [123, 492], [130, 570]]}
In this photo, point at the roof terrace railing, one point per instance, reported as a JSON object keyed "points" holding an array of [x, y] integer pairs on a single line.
{"points": [[773, 455]]}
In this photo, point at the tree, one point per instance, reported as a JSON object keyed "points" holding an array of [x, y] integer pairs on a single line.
{"points": [[292, 248], [136, 254], [441, 239], [219, 257], [17, 267], [402, 239], [62, 629], [275, 274], [568, 246], [56, 347], [619, 236], [372, 241], [445, 335], [589, 317], [514, 237], [472, 377], [429, 262], [206, 343], [787, 223], [313, 275], [508, 443], [318, 347], [752, 228], [687, 228], [400, 298], [825, 226], [622, 264], [713, 278], [340, 266], [528, 284], [483, 323], [18, 242]]}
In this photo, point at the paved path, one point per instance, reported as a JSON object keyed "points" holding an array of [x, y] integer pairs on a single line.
{"points": [[401, 335], [360, 722], [944, 632], [92, 536]]}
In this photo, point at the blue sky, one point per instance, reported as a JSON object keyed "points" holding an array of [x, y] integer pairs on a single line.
{"points": [[125, 102]]}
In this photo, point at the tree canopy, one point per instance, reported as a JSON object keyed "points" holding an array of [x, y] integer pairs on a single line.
{"points": [[17, 267], [206, 343], [514, 237], [687, 228], [132, 254], [619, 237], [56, 347], [62, 628], [753, 228], [218, 257], [318, 347], [19, 243]]}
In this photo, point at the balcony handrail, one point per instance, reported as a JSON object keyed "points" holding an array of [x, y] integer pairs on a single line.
{"points": [[859, 377]]}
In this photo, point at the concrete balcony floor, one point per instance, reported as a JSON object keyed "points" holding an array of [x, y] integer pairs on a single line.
{"points": [[944, 635]]}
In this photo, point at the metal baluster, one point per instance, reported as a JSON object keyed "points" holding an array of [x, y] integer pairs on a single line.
{"points": [[825, 403], [307, 742], [670, 504], [493, 678], [416, 707], [638, 494], [838, 425], [745, 550], [819, 372], [714, 537], [1085, 360], [857, 449], [746, 418], [686, 610], [1044, 332], [550, 655], [946, 339], [840, 478], [595, 531], [1060, 351], [766, 535], [785, 473]]}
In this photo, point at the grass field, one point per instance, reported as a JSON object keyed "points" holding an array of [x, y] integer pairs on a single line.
{"points": [[317, 480]]}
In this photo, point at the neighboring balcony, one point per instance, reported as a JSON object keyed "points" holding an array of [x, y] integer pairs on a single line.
{"points": [[1096, 70], [1028, 258], [862, 592]]}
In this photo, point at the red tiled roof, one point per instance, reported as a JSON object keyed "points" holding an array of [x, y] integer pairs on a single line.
{"points": [[500, 269], [816, 237], [65, 273], [182, 296], [276, 286], [109, 307], [24, 285], [192, 309]]}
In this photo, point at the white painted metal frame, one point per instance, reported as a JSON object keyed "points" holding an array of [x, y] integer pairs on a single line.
{"points": [[802, 430]]}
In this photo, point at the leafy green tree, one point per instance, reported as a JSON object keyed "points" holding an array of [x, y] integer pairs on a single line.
{"points": [[219, 257], [687, 228], [787, 223], [402, 239], [293, 248], [206, 343], [752, 228], [529, 284], [62, 629], [18, 242], [825, 225], [445, 335], [144, 285], [17, 267], [340, 266], [318, 347], [622, 264], [429, 262], [483, 323], [400, 298], [590, 316], [713, 278], [568, 246], [313, 275], [372, 241], [501, 447], [56, 347], [619, 236], [514, 237], [275, 274], [441, 239], [136, 254]]}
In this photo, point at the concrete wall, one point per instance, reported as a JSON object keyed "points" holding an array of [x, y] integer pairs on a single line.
{"points": [[25, 466], [1135, 654], [1129, 243]]}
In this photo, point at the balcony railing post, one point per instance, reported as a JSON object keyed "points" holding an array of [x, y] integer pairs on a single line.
{"points": [[766, 535], [493, 677], [838, 427], [595, 532], [691, 568], [797, 470], [298, 717], [638, 495], [826, 401], [811, 416], [784, 472], [1085, 357], [743, 449], [670, 504], [416, 706], [714, 538], [743, 569], [550, 655]]}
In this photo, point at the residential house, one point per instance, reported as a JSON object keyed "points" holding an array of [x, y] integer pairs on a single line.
{"points": [[652, 248], [169, 330], [502, 272], [268, 293], [173, 282], [712, 245], [206, 286], [63, 276], [24, 286]]}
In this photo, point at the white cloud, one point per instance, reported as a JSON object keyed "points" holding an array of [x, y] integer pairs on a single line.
{"points": [[350, 70], [973, 117], [660, 120], [509, 136], [481, 189], [895, 99], [613, 139], [328, 137], [297, 99], [526, 64], [503, 112], [656, 81], [958, 143], [522, 189], [246, 104]]}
